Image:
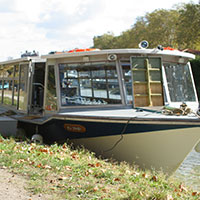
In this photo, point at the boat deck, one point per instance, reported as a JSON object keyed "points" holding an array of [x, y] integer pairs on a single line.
{"points": [[128, 114], [123, 114]]}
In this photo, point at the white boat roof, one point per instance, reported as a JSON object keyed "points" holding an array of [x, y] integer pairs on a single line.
{"points": [[24, 59], [156, 51], [122, 51]]}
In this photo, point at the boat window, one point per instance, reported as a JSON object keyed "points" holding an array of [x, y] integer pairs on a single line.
{"points": [[23, 87], [1, 72], [179, 82], [89, 84], [15, 92], [7, 97], [8, 88], [16, 71], [1, 90], [9, 71], [51, 97], [128, 82]]}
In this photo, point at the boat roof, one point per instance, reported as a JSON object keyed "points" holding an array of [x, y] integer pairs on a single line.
{"points": [[24, 59], [140, 52], [147, 52]]}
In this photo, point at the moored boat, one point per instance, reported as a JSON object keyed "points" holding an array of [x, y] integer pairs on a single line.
{"points": [[110, 101]]}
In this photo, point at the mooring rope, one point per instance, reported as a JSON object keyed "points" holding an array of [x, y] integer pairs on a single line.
{"points": [[121, 136]]}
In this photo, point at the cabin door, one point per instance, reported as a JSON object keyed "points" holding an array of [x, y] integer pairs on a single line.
{"points": [[147, 81], [37, 88]]}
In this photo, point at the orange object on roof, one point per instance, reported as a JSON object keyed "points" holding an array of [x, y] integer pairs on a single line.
{"points": [[81, 50], [168, 48]]}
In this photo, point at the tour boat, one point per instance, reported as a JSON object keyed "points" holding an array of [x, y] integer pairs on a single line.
{"points": [[135, 105]]}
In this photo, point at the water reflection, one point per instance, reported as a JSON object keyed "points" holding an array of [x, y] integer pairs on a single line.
{"points": [[189, 171]]}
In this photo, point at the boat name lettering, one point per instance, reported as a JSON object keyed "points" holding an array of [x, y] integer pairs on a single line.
{"points": [[76, 128]]}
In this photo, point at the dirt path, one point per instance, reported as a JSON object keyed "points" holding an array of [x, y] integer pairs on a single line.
{"points": [[12, 187]]}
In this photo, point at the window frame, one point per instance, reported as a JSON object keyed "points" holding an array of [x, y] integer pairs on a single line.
{"points": [[168, 101], [119, 79]]}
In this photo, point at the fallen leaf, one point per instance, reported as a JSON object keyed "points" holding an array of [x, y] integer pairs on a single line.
{"points": [[154, 178], [105, 190], [39, 165], [95, 188], [136, 174], [46, 167], [194, 193], [178, 194], [20, 161], [169, 197], [98, 164], [182, 188], [74, 155], [140, 193], [145, 175], [68, 168], [91, 165], [44, 150], [87, 173], [31, 163], [62, 178], [121, 190], [51, 181]]}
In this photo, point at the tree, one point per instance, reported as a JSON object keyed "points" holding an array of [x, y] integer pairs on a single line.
{"points": [[177, 28], [188, 31], [104, 42]]}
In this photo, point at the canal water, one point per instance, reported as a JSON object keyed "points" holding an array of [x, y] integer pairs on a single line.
{"points": [[189, 171]]}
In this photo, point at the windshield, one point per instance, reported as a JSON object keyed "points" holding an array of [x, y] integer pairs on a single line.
{"points": [[179, 82], [89, 84]]}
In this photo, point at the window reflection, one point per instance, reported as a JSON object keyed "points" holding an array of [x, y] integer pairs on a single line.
{"points": [[179, 82], [23, 87], [1, 90], [89, 84], [7, 99], [15, 92], [128, 81], [10, 85], [51, 97], [8, 71]]}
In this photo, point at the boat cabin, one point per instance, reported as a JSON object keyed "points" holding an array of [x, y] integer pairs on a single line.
{"points": [[99, 78], [22, 84], [126, 77]]}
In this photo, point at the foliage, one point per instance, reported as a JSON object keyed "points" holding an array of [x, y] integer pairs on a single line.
{"points": [[188, 32], [177, 28], [104, 41], [77, 174]]}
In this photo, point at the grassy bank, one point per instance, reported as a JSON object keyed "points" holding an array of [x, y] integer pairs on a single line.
{"points": [[77, 174]]}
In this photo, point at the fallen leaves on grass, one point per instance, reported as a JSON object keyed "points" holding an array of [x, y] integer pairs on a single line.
{"points": [[182, 188], [74, 155]]}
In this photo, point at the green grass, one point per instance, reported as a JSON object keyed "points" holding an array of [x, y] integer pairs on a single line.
{"points": [[63, 173]]}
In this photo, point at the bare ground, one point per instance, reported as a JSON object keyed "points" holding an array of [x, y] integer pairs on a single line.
{"points": [[13, 186]]}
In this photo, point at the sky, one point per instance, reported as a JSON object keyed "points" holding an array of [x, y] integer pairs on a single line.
{"points": [[58, 25]]}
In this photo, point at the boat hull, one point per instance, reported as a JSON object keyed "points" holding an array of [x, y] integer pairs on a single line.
{"points": [[152, 145], [163, 150]]}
